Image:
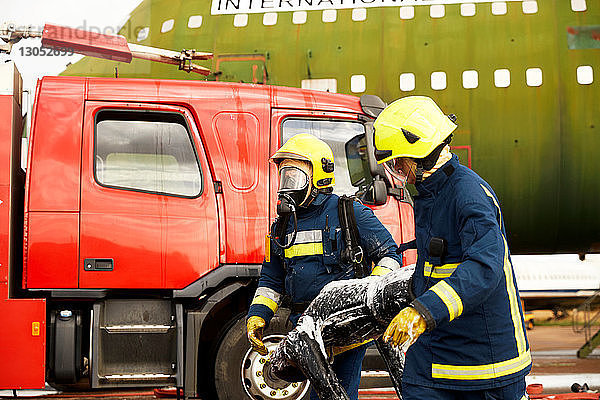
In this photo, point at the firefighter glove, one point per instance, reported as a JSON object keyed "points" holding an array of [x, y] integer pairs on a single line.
{"points": [[380, 270], [254, 329], [405, 328]]}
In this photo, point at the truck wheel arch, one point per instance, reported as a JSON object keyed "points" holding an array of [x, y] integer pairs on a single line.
{"points": [[206, 327]]}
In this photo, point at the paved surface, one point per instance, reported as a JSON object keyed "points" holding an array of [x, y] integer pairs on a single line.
{"points": [[554, 351], [554, 364]]}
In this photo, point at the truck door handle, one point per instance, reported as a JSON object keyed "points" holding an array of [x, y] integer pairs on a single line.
{"points": [[98, 264]]}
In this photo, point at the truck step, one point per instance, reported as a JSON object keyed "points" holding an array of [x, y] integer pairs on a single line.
{"points": [[137, 377], [138, 328], [137, 342]]}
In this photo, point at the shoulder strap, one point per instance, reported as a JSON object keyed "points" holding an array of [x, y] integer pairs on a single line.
{"points": [[353, 253]]}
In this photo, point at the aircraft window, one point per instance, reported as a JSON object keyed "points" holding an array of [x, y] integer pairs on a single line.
{"points": [[585, 74], [347, 140], [358, 83], [502, 78], [407, 81], [470, 79], [438, 80], [467, 9], [143, 34], [407, 12], [326, 85], [195, 21], [529, 7], [299, 17], [240, 20], [146, 151], [359, 14], [534, 76], [329, 15], [437, 11], [270, 18], [167, 25], [499, 8], [578, 5]]}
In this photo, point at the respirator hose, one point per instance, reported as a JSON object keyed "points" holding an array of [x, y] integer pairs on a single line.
{"points": [[294, 232]]}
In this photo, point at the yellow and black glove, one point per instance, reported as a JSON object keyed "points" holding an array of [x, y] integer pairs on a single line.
{"points": [[385, 266], [406, 326], [254, 329], [380, 270]]}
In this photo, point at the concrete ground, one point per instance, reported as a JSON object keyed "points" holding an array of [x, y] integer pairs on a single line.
{"points": [[553, 351], [554, 364]]}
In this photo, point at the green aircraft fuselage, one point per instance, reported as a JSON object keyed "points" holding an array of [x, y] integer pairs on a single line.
{"points": [[536, 145]]}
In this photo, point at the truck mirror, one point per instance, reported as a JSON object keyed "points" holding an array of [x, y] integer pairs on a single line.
{"points": [[375, 193], [376, 169], [371, 105], [358, 161], [379, 192]]}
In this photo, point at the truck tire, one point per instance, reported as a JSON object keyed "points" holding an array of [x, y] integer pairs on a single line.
{"points": [[233, 351]]}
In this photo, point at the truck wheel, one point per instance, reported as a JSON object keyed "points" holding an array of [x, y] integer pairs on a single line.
{"points": [[241, 373]]}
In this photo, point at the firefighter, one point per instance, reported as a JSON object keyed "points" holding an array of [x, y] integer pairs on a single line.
{"points": [[305, 247], [465, 323]]}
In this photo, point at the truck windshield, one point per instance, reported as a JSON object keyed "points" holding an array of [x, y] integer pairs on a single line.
{"points": [[347, 140]]}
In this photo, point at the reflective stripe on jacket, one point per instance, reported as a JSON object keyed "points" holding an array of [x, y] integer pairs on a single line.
{"points": [[314, 259], [475, 332]]}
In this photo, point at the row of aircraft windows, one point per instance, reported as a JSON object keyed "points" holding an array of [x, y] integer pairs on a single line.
{"points": [[470, 80], [360, 14]]}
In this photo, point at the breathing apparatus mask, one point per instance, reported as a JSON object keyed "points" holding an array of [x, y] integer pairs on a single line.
{"points": [[295, 190], [401, 168]]}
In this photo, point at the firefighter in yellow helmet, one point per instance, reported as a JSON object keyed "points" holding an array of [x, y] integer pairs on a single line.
{"points": [[465, 325], [306, 249]]}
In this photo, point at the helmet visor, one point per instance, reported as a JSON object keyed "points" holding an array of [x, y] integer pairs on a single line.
{"points": [[292, 179]]}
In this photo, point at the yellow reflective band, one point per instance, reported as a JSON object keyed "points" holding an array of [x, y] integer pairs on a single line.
{"points": [[268, 247], [265, 301], [487, 192], [378, 270], [440, 271], [450, 298], [510, 287], [304, 249], [486, 371], [514, 301]]}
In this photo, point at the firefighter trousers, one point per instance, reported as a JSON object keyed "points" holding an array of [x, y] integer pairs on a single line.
{"points": [[513, 391]]}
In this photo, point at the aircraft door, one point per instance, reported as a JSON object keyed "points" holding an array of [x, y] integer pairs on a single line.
{"points": [[247, 68]]}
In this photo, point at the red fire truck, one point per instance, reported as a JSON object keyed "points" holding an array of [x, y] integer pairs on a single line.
{"points": [[131, 246]]}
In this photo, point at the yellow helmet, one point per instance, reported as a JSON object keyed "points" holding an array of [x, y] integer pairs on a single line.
{"points": [[412, 127], [309, 148]]}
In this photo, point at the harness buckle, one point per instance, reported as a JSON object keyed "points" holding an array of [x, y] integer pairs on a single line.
{"points": [[357, 256]]}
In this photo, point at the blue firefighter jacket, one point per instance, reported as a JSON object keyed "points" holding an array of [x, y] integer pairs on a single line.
{"points": [[475, 336], [314, 259]]}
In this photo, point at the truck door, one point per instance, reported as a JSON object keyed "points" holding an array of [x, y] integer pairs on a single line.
{"points": [[148, 206], [345, 135]]}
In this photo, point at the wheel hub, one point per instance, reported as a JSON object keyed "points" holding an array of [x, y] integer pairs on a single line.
{"points": [[259, 381]]}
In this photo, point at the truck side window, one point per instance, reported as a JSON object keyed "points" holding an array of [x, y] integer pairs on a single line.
{"points": [[347, 140], [146, 151]]}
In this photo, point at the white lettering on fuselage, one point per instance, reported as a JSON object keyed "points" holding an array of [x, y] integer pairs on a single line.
{"points": [[262, 6]]}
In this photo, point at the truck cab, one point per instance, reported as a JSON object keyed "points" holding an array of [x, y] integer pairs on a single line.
{"points": [[145, 209]]}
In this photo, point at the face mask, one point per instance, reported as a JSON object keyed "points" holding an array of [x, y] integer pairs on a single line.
{"points": [[293, 189], [402, 169]]}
